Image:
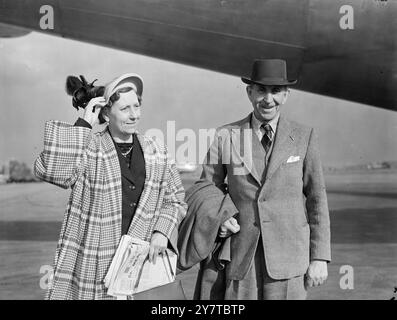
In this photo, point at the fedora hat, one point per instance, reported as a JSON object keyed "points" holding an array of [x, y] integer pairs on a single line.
{"points": [[269, 72], [126, 80]]}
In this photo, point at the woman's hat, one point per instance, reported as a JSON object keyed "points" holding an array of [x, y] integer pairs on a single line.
{"points": [[126, 80], [269, 72]]}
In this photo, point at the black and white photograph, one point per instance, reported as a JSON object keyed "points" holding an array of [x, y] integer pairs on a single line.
{"points": [[208, 150]]}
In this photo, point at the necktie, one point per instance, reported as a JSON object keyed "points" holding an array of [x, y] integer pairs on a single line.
{"points": [[267, 137]]}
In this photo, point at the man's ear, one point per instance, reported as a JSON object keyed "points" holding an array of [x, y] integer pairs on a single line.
{"points": [[249, 91], [287, 93]]}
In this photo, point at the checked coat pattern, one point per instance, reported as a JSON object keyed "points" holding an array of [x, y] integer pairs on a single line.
{"points": [[87, 162]]}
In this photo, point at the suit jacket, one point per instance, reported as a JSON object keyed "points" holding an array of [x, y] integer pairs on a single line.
{"points": [[286, 207], [87, 162]]}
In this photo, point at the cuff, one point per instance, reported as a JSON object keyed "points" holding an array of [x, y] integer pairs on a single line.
{"points": [[80, 122], [164, 226], [327, 261]]}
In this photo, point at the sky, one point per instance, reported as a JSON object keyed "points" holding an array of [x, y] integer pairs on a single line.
{"points": [[33, 70]]}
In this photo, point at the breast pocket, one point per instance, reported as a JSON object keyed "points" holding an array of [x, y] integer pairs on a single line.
{"points": [[294, 169]]}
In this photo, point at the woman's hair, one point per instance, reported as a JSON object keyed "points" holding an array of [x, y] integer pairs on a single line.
{"points": [[113, 98]]}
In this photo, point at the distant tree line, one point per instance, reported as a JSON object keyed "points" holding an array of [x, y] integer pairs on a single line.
{"points": [[16, 171]]}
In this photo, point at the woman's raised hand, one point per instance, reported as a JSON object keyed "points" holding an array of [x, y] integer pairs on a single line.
{"points": [[92, 110]]}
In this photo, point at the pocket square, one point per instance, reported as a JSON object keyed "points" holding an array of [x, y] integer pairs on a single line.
{"points": [[293, 159]]}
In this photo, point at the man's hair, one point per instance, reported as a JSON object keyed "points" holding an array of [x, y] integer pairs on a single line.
{"points": [[113, 98]]}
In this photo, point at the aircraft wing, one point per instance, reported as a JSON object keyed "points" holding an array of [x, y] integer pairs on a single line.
{"points": [[358, 64]]}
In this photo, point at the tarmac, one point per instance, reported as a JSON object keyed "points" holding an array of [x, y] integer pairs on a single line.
{"points": [[363, 211]]}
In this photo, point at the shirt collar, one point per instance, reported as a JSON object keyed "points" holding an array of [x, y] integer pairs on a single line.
{"points": [[256, 124]]}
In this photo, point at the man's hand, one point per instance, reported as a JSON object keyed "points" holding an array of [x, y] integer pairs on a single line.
{"points": [[158, 245], [92, 110], [229, 227], [317, 273]]}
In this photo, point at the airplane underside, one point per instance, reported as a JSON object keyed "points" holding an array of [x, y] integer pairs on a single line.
{"points": [[358, 64]]}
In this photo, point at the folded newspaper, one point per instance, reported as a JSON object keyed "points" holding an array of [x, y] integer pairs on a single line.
{"points": [[131, 272]]}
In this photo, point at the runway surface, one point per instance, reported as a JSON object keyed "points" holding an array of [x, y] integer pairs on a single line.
{"points": [[363, 209]]}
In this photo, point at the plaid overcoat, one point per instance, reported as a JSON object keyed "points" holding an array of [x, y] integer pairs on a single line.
{"points": [[87, 162]]}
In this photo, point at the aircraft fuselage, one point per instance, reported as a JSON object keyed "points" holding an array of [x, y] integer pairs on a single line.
{"points": [[344, 49]]}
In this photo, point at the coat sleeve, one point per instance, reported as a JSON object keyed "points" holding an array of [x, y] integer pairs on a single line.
{"points": [[173, 208], [316, 202], [63, 157]]}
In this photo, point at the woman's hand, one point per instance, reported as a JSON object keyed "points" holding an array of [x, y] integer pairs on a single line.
{"points": [[158, 245], [92, 110]]}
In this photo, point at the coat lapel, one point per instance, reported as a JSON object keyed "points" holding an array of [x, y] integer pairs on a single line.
{"points": [[111, 152], [112, 173], [244, 144], [282, 146], [149, 153]]}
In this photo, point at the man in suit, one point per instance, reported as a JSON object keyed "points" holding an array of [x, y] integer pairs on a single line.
{"points": [[280, 238]]}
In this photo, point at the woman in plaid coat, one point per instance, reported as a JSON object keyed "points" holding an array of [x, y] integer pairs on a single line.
{"points": [[121, 181]]}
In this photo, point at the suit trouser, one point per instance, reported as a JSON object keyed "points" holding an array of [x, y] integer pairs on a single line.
{"points": [[257, 284]]}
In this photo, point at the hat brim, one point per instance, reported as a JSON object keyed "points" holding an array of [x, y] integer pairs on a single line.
{"points": [[270, 82], [128, 77]]}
